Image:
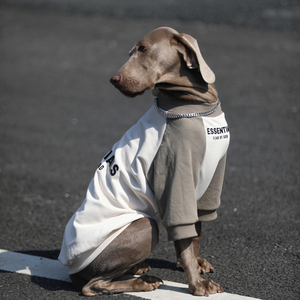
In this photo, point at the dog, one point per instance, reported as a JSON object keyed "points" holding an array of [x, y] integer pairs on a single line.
{"points": [[167, 170]]}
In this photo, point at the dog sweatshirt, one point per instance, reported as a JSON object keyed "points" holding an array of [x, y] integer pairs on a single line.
{"points": [[167, 168]]}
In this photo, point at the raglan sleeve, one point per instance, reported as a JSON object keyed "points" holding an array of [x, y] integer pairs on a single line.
{"points": [[174, 173]]}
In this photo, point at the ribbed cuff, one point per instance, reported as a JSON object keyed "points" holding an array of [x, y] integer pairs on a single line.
{"points": [[207, 215], [180, 232]]}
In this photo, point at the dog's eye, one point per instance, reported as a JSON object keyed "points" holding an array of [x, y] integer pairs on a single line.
{"points": [[142, 48]]}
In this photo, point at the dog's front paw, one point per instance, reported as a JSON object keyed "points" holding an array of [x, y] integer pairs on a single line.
{"points": [[146, 283], [205, 287], [204, 266]]}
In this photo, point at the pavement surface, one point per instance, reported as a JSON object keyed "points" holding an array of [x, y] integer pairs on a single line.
{"points": [[59, 115]]}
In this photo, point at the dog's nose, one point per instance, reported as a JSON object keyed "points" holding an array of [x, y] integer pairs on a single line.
{"points": [[115, 79]]}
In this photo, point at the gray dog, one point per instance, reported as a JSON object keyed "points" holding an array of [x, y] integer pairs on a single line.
{"points": [[166, 170]]}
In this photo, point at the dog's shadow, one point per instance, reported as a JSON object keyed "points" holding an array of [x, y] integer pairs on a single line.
{"points": [[162, 264]]}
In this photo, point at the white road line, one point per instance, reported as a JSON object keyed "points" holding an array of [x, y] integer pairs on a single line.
{"points": [[50, 268], [33, 265]]}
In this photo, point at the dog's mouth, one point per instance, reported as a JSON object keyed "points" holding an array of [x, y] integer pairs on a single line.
{"points": [[118, 82], [132, 94]]}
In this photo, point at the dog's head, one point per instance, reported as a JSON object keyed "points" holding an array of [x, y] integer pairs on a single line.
{"points": [[162, 56]]}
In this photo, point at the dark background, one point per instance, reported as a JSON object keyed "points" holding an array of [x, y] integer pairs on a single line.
{"points": [[59, 115]]}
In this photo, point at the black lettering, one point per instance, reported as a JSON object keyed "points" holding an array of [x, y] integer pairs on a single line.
{"points": [[100, 167], [108, 154], [114, 170], [110, 160], [218, 130]]}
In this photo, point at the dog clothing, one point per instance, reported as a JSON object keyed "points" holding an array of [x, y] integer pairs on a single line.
{"points": [[169, 168]]}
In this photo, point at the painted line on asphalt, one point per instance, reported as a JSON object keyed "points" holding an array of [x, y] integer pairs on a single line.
{"points": [[53, 269], [32, 265]]}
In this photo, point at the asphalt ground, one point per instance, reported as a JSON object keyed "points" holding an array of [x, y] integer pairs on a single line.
{"points": [[59, 115]]}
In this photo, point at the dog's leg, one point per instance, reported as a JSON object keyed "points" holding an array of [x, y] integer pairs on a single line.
{"points": [[129, 249], [202, 264], [198, 286], [103, 286]]}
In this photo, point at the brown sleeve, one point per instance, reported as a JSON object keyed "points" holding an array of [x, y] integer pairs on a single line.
{"points": [[174, 174]]}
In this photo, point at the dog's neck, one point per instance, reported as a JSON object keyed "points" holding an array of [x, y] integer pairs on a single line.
{"points": [[186, 95], [187, 87], [178, 106], [196, 95]]}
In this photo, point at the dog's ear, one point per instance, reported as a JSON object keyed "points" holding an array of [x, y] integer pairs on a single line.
{"points": [[190, 51]]}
